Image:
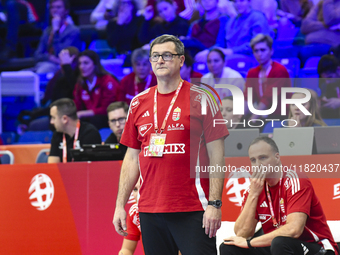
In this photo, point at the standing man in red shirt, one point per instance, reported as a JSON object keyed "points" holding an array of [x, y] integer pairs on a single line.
{"points": [[285, 203], [169, 142], [268, 75]]}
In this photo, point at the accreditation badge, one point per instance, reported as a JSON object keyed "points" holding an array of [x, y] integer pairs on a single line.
{"points": [[156, 146]]}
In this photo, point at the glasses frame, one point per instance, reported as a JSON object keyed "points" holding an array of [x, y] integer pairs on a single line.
{"points": [[162, 55], [121, 121]]}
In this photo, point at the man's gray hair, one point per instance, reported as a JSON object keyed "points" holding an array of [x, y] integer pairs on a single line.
{"points": [[179, 46], [139, 54], [266, 140]]}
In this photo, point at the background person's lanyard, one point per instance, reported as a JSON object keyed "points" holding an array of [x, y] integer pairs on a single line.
{"points": [[275, 222], [76, 134], [148, 82], [169, 110], [261, 78]]}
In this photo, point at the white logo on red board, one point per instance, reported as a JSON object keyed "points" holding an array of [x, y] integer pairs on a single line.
{"points": [[336, 191], [172, 148], [237, 183], [41, 192], [144, 129], [176, 115], [134, 103], [176, 126]]}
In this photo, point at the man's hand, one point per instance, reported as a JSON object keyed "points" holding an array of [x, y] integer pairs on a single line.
{"points": [[212, 220], [65, 57], [119, 221], [332, 103], [53, 59], [55, 22], [257, 182], [148, 12], [237, 241]]}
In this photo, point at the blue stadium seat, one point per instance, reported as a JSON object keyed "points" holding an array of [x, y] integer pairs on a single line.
{"points": [[269, 127], [42, 156], [201, 67], [114, 66], [8, 137], [286, 34], [6, 157], [311, 65], [102, 48], [240, 63], [105, 133], [332, 122], [285, 51], [36, 137], [292, 65]]}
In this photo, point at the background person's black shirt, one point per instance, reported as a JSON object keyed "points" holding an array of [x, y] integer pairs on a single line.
{"points": [[88, 134], [113, 139]]}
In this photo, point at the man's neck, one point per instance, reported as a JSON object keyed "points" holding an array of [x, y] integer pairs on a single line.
{"points": [[274, 178], [265, 66], [166, 86], [212, 14], [71, 127]]}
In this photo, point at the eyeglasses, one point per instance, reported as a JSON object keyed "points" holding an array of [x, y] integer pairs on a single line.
{"points": [[120, 120], [167, 56]]}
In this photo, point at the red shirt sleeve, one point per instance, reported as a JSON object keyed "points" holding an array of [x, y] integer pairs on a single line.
{"points": [[132, 229], [299, 195], [77, 97], [130, 133], [109, 88]]}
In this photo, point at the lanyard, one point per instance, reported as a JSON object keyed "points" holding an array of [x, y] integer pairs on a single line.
{"points": [[148, 82], [275, 222], [261, 77], [169, 110], [76, 134]]}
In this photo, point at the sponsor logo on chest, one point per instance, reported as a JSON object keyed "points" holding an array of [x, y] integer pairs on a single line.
{"points": [[172, 148], [176, 126]]}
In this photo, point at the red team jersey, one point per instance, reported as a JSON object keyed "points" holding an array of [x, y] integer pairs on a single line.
{"points": [[170, 183], [297, 195], [133, 224]]}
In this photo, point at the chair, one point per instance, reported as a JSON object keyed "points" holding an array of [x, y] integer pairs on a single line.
{"points": [[8, 137], [292, 65], [240, 63], [105, 133], [6, 157], [285, 51], [102, 48], [43, 156], [36, 137], [332, 122], [114, 66], [311, 65], [269, 127], [200, 67], [286, 34]]}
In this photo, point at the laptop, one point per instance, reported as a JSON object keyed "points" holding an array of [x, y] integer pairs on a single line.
{"points": [[327, 140], [99, 152], [238, 141], [294, 141]]}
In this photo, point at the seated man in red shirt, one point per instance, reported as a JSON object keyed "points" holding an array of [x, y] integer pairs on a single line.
{"points": [[285, 203], [268, 75], [140, 79]]}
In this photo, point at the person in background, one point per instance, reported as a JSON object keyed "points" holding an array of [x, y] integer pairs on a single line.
{"points": [[234, 121], [94, 90], [134, 234], [329, 72], [103, 12], [295, 10], [116, 113], [187, 71], [185, 8], [203, 32], [60, 86], [234, 38], [171, 23], [302, 120], [286, 205], [219, 73], [140, 79], [127, 25], [267, 75], [56, 37], [71, 133]]}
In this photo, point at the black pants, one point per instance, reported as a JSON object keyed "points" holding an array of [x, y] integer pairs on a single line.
{"points": [[167, 233], [280, 246]]}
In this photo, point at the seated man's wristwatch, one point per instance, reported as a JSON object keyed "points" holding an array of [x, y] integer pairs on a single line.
{"points": [[216, 203]]}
